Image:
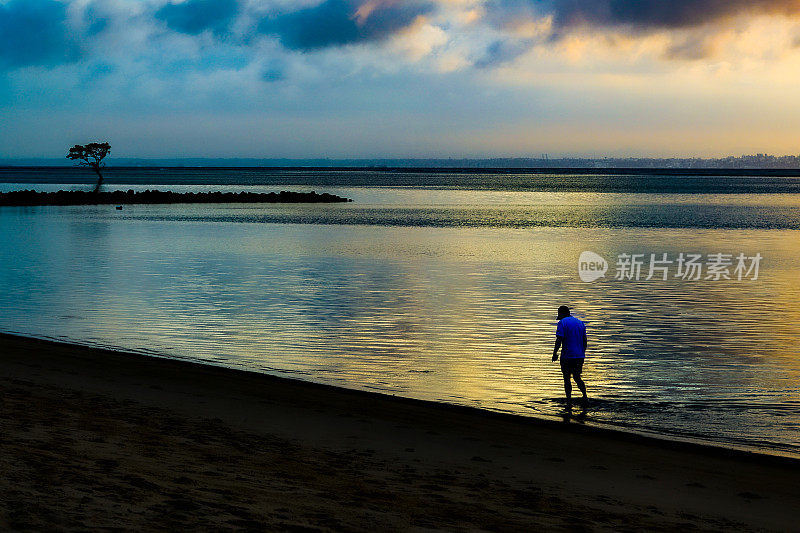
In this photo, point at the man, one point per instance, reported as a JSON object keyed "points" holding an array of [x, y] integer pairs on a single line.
{"points": [[571, 340]]}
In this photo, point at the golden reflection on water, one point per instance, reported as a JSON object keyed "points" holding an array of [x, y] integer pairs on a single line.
{"points": [[465, 315]]}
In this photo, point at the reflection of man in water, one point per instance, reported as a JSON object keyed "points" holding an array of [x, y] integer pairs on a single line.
{"points": [[571, 339]]}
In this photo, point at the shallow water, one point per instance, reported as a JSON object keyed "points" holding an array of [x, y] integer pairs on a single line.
{"points": [[444, 294]]}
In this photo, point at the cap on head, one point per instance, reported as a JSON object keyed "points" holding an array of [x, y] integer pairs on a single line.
{"points": [[563, 311]]}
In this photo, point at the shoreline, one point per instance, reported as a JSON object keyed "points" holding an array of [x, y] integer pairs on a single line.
{"points": [[689, 443], [590, 170], [432, 464]]}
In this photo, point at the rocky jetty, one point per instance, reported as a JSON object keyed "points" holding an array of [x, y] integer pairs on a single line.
{"points": [[31, 198]]}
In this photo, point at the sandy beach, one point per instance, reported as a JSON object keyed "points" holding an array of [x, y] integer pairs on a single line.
{"points": [[99, 439]]}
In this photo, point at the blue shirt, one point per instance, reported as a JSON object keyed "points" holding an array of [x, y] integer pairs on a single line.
{"points": [[571, 331]]}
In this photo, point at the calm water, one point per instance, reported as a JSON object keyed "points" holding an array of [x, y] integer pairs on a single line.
{"points": [[445, 293]]}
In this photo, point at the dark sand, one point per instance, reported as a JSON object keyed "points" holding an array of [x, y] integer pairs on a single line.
{"points": [[91, 438]]}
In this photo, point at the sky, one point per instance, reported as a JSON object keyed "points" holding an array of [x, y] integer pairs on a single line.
{"points": [[400, 78]]}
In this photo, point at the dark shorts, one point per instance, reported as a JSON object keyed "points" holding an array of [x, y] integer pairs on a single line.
{"points": [[572, 367]]}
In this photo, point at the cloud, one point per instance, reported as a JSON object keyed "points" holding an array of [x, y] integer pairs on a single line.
{"points": [[691, 29], [502, 51], [196, 16], [420, 40], [273, 74], [341, 22], [696, 45], [311, 38], [660, 14], [35, 33]]}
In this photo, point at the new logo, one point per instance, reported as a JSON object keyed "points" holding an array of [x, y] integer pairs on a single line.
{"points": [[591, 267]]}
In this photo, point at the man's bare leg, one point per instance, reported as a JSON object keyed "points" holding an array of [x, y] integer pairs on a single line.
{"points": [[568, 388], [581, 386]]}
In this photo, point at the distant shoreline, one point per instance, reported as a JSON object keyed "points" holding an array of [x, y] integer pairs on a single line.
{"points": [[558, 170]]}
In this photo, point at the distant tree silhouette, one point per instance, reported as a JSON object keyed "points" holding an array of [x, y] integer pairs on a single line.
{"points": [[91, 155]]}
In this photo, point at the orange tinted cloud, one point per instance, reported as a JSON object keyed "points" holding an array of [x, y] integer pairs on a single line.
{"points": [[658, 14]]}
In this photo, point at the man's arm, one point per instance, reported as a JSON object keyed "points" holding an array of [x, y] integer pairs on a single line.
{"points": [[555, 350], [585, 342]]}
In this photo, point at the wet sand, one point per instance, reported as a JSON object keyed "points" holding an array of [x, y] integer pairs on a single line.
{"points": [[97, 439]]}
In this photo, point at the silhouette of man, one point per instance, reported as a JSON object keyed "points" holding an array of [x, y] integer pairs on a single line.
{"points": [[571, 340]]}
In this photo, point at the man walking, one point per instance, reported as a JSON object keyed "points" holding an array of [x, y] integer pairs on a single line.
{"points": [[571, 340]]}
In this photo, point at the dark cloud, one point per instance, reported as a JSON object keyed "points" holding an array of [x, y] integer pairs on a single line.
{"points": [[697, 17], [35, 33], [335, 23], [196, 16], [660, 14]]}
